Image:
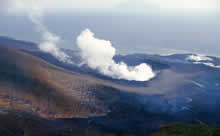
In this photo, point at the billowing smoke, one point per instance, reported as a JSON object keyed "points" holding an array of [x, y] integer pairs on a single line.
{"points": [[35, 14], [98, 54]]}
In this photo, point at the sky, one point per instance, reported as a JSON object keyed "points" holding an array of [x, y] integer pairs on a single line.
{"points": [[163, 26], [126, 6]]}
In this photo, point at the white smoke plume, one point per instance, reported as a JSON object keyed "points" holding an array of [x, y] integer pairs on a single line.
{"points": [[199, 59], [35, 14], [208, 64], [98, 54]]}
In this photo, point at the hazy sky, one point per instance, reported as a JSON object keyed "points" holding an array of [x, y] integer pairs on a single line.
{"points": [[125, 6], [140, 25]]}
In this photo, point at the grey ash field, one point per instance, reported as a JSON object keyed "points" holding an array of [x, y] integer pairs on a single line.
{"points": [[41, 96]]}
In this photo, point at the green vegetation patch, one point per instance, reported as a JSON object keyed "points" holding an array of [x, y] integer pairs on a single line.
{"points": [[181, 129]]}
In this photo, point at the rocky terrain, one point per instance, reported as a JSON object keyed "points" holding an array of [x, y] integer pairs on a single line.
{"points": [[40, 95]]}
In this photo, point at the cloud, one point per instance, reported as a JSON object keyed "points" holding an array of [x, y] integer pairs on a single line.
{"points": [[184, 5], [98, 54]]}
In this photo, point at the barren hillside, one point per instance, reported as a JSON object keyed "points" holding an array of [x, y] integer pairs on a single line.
{"points": [[31, 84]]}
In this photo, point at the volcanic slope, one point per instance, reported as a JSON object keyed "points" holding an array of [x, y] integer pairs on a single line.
{"points": [[32, 85]]}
